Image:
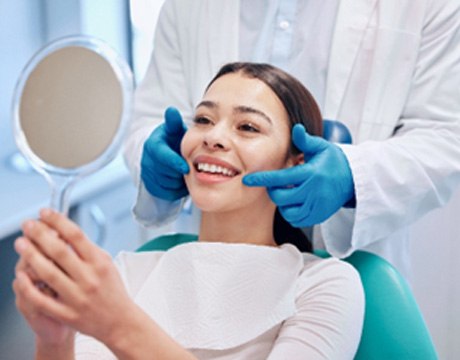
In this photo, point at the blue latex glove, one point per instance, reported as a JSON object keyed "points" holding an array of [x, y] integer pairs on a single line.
{"points": [[310, 193], [162, 166]]}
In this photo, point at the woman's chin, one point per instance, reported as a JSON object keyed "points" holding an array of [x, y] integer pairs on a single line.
{"points": [[210, 204]]}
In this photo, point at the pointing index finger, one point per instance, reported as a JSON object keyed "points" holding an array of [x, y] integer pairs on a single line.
{"points": [[278, 178]]}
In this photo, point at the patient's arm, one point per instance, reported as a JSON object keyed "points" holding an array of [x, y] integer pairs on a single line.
{"points": [[87, 295], [329, 317]]}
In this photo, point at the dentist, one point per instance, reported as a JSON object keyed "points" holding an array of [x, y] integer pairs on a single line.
{"points": [[389, 70]]}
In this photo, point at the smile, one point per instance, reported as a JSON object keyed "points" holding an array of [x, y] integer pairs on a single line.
{"points": [[215, 169]]}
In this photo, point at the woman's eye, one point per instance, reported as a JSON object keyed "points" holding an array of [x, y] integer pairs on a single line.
{"points": [[201, 120], [248, 127]]}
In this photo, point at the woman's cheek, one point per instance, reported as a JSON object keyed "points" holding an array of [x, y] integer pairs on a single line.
{"points": [[187, 144], [263, 156]]}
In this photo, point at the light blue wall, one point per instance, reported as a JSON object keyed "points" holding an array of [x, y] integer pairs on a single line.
{"points": [[26, 26], [21, 34]]}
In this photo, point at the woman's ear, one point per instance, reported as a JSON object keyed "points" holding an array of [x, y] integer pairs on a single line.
{"points": [[297, 159]]}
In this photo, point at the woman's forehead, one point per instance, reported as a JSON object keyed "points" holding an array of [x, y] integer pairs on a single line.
{"points": [[237, 90]]}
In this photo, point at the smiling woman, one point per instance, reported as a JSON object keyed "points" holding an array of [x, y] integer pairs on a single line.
{"points": [[243, 125], [240, 292]]}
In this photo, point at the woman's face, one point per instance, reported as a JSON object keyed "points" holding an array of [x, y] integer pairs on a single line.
{"points": [[240, 127]]}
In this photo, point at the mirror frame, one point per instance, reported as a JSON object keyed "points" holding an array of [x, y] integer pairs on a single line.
{"points": [[125, 79]]}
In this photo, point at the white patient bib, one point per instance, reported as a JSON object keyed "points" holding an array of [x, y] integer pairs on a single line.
{"points": [[218, 296]]}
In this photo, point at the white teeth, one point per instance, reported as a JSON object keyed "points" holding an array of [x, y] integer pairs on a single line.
{"points": [[215, 169]]}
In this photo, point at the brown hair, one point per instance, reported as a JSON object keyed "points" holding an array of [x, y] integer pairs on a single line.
{"points": [[301, 108]]}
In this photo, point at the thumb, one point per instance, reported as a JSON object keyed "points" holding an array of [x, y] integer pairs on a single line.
{"points": [[307, 143], [174, 126]]}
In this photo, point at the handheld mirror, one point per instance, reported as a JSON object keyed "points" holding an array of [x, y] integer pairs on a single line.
{"points": [[70, 110]]}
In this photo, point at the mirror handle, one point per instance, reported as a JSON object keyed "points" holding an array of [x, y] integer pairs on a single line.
{"points": [[60, 188]]}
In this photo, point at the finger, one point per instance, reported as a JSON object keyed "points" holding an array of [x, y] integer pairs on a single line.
{"points": [[307, 143], [298, 212], [285, 196], [22, 265], [54, 248], [179, 164], [161, 154], [164, 180], [294, 195], [169, 161], [174, 126], [157, 189], [172, 184], [32, 301], [305, 214], [278, 178], [90, 253], [70, 233], [296, 215], [22, 286], [46, 270], [163, 186], [168, 194]]}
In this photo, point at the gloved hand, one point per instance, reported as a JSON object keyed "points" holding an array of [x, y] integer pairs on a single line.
{"points": [[309, 193], [162, 166]]}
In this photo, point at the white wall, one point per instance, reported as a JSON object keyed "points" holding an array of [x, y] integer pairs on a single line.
{"points": [[436, 282]]}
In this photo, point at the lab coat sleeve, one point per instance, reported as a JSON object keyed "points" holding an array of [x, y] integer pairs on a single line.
{"points": [[164, 85], [400, 179]]}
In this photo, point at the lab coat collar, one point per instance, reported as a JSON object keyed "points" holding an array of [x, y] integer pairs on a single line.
{"points": [[352, 20]]}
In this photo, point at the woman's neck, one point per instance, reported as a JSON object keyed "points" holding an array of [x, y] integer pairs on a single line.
{"points": [[242, 226]]}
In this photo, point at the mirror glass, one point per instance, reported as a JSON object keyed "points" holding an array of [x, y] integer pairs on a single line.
{"points": [[70, 110]]}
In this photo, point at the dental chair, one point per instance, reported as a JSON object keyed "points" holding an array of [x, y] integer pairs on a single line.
{"points": [[394, 328], [335, 131]]}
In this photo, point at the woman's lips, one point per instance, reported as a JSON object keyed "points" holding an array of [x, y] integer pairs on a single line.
{"points": [[212, 169]]}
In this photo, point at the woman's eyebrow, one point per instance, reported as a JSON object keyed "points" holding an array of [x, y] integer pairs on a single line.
{"points": [[251, 110], [241, 109], [208, 104]]}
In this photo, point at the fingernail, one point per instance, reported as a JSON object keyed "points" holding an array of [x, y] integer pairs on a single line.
{"points": [[247, 181], [20, 244], [28, 225], [44, 213]]}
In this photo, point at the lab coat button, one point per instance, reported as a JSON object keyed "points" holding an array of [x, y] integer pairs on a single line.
{"points": [[284, 24]]}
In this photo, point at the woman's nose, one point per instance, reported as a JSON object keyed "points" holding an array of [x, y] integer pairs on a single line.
{"points": [[216, 138]]}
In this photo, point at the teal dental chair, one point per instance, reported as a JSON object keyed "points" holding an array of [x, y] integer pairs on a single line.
{"points": [[394, 328]]}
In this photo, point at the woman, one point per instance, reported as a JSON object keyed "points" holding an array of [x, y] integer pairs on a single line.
{"points": [[240, 292]]}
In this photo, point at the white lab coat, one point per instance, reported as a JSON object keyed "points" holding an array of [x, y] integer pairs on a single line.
{"points": [[394, 79]]}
